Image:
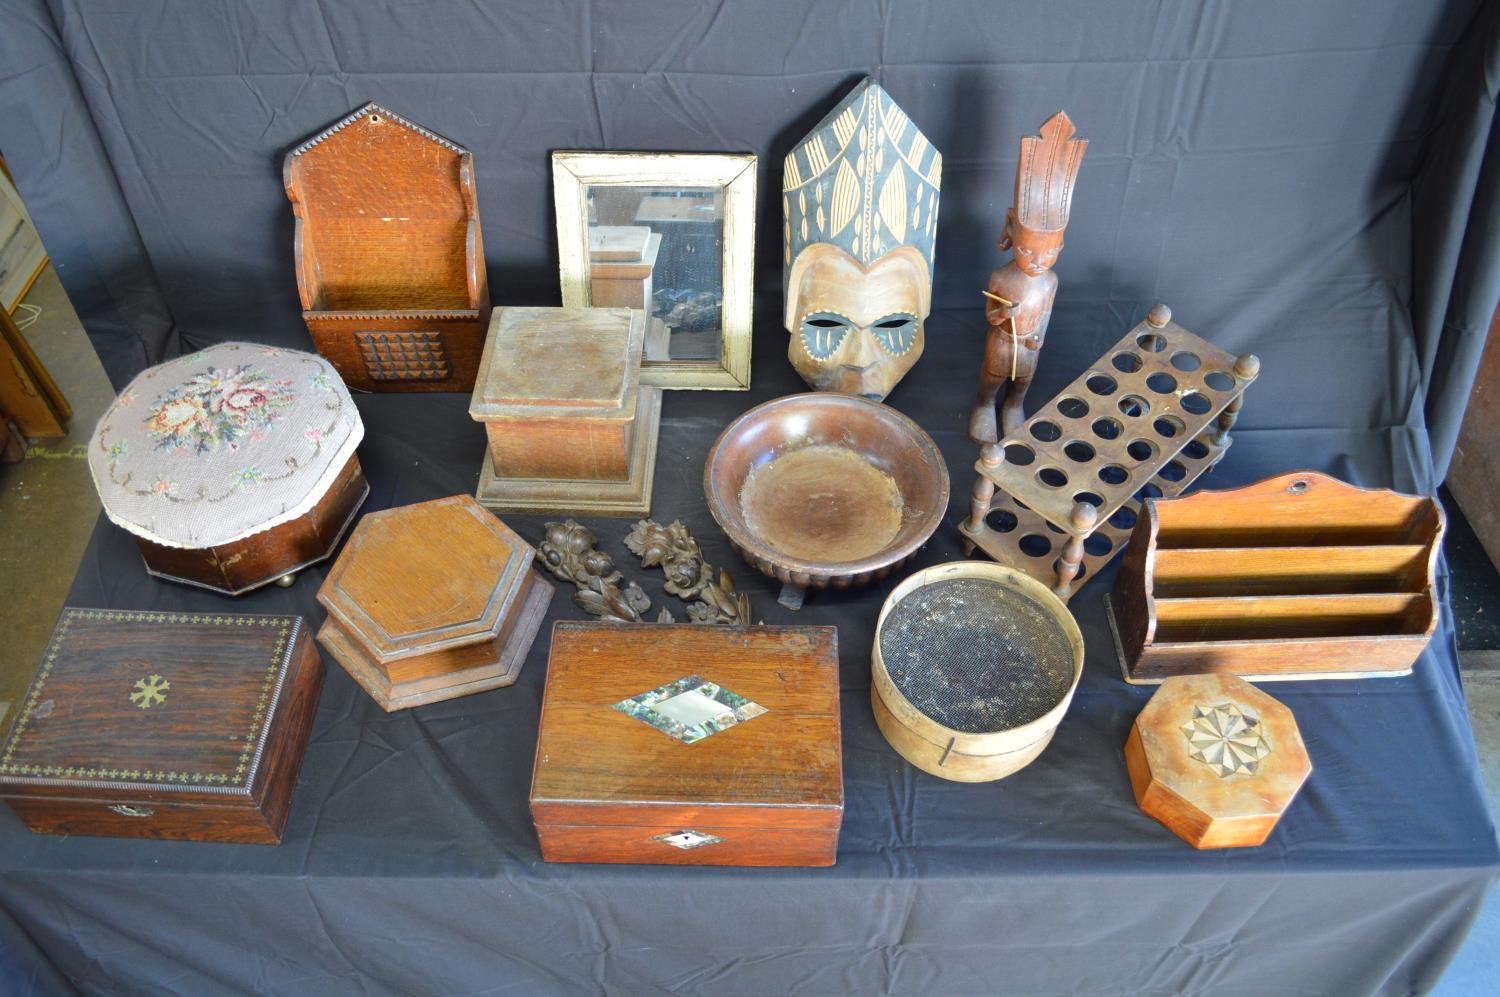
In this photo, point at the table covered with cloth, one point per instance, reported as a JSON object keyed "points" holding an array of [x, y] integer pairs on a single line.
{"points": [[410, 863]]}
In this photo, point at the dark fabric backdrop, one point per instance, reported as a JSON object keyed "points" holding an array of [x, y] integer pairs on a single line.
{"points": [[1310, 182], [1248, 161]]}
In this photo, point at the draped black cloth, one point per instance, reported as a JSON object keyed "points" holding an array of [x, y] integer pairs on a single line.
{"points": [[1314, 183]]}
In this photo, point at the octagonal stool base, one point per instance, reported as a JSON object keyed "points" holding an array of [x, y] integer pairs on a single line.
{"points": [[233, 467], [432, 601], [1216, 760]]}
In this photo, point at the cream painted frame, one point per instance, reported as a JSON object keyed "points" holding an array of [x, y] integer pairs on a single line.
{"points": [[574, 172]]}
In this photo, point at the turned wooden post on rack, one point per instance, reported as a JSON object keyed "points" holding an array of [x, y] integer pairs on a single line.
{"points": [[1057, 497]]}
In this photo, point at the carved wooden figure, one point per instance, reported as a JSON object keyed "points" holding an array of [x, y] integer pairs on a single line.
{"points": [[390, 262], [1018, 302], [711, 595], [860, 202]]}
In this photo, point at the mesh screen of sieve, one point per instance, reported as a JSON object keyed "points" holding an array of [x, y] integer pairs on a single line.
{"points": [[976, 656]]}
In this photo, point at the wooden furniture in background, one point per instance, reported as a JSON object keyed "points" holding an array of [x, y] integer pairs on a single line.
{"points": [[825, 490], [1018, 301], [22, 255], [1297, 576], [28, 395], [164, 725], [432, 601], [1216, 760], [1143, 421], [12, 447], [690, 745], [1474, 474], [389, 256], [570, 427]]}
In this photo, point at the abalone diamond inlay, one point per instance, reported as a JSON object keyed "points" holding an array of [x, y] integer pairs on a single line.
{"points": [[687, 839], [1226, 739], [690, 709]]}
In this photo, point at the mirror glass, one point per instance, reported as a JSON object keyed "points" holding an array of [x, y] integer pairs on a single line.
{"points": [[661, 249]]}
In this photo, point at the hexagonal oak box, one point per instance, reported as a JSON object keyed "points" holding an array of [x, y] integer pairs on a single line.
{"points": [[432, 601], [1216, 760]]}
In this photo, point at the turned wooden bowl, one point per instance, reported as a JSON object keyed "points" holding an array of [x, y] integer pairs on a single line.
{"points": [[823, 490]]}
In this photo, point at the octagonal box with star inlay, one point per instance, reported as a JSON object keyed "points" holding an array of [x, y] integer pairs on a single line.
{"points": [[690, 745], [164, 725], [1216, 760], [432, 601]]}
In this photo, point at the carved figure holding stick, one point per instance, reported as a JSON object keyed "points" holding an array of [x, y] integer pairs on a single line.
{"points": [[1018, 302]]}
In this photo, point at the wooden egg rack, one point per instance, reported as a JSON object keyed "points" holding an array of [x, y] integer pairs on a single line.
{"points": [[1058, 498], [1299, 576]]}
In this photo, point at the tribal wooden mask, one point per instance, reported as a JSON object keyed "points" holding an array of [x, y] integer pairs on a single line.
{"points": [[860, 202], [1044, 194]]}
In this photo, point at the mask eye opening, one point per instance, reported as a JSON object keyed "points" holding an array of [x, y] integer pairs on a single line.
{"points": [[823, 333], [896, 333]]}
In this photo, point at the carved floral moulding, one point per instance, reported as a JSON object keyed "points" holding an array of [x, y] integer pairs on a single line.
{"points": [[711, 596]]}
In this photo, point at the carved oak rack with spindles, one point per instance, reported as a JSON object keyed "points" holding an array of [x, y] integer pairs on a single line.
{"points": [[1057, 498]]}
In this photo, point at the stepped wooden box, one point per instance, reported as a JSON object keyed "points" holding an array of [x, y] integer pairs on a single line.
{"points": [[1216, 760], [690, 745], [621, 261], [1297, 576], [571, 429], [164, 725], [389, 256], [432, 601]]}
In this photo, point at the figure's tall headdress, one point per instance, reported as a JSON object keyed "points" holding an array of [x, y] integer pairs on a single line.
{"points": [[865, 179], [1044, 177]]}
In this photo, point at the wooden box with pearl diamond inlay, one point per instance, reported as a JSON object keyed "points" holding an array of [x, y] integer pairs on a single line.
{"points": [[690, 745], [164, 725], [1216, 760]]}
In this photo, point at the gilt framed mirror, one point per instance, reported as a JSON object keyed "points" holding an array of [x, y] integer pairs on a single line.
{"points": [[672, 234]]}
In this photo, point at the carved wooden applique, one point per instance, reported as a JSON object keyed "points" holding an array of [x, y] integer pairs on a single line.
{"points": [[1018, 301], [860, 202]]}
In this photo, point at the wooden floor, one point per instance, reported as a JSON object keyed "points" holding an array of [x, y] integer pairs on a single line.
{"points": [[48, 506]]}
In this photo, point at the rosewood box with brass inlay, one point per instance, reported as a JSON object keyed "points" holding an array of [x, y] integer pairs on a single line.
{"points": [[432, 601], [690, 745], [164, 725]]}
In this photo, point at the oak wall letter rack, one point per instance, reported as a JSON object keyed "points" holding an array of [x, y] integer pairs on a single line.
{"points": [[1297, 576], [390, 263]]}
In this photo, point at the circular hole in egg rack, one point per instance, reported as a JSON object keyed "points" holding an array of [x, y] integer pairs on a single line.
{"points": [[1125, 430], [1072, 407], [1002, 521]]}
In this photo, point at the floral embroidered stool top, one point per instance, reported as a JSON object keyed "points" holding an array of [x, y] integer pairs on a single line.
{"points": [[222, 444]]}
